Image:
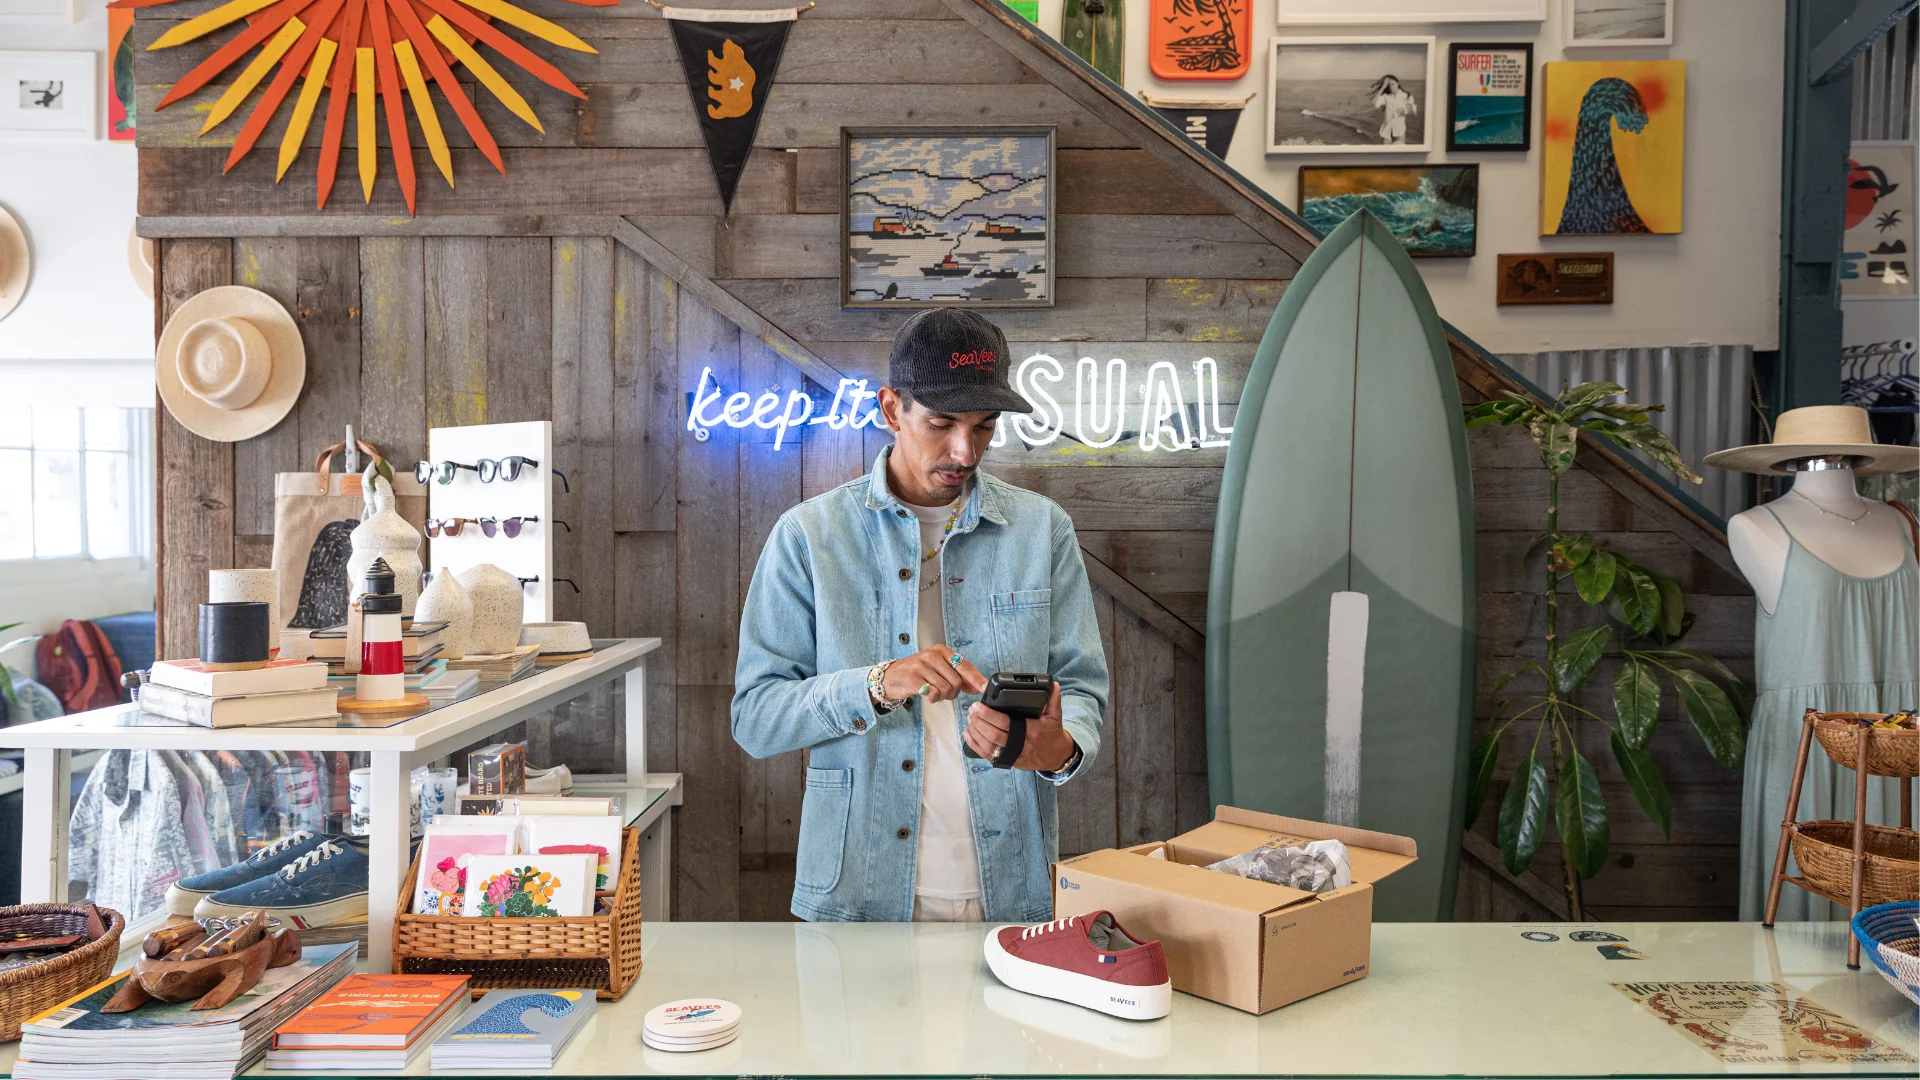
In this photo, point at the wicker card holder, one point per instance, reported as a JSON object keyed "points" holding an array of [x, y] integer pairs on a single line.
{"points": [[601, 951]]}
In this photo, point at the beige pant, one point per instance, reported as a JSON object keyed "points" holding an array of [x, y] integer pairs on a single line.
{"points": [[933, 909]]}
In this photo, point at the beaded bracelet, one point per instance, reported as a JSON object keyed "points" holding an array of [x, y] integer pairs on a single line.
{"points": [[881, 702]]}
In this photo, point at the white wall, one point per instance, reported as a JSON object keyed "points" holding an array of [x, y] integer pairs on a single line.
{"points": [[76, 202], [1715, 283]]}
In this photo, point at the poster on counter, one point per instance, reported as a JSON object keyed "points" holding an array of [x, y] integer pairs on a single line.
{"points": [[1756, 1023], [1877, 250]]}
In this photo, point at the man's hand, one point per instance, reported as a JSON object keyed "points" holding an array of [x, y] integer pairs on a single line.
{"points": [[1048, 747], [931, 668]]}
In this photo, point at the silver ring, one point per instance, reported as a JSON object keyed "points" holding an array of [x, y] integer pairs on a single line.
{"points": [[955, 660]]}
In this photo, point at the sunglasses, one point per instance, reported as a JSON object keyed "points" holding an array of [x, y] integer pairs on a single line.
{"points": [[488, 525], [507, 468], [427, 471]]}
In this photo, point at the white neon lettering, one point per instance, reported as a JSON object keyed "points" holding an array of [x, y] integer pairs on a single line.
{"points": [[1162, 403], [763, 407], [736, 404], [788, 419], [696, 415], [1026, 380], [1110, 408], [832, 418], [1206, 387]]}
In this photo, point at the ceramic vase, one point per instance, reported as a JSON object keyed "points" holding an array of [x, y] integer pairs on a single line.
{"points": [[445, 600], [384, 534], [497, 609]]}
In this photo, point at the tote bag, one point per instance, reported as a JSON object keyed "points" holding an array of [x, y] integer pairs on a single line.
{"points": [[314, 515]]}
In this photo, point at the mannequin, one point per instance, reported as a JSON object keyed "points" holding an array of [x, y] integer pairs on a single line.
{"points": [[1824, 511]]}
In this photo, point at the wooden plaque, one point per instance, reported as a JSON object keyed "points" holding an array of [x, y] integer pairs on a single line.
{"points": [[1556, 278]]}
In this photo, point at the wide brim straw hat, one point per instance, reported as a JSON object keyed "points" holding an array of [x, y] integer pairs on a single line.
{"points": [[1819, 431], [230, 363], [16, 263]]}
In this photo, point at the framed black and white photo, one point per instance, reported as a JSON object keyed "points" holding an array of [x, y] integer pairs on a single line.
{"points": [[48, 95], [1340, 95], [1617, 23], [1405, 12], [946, 216], [1490, 96]]}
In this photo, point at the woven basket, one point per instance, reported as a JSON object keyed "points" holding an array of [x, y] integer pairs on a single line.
{"points": [[1824, 850], [1891, 939], [29, 991], [599, 951], [1890, 751]]}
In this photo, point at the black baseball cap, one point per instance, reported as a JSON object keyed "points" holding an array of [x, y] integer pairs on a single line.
{"points": [[954, 361]]}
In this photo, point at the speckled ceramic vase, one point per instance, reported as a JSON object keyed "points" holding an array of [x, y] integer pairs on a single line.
{"points": [[384, 534], [445, 600], [497, 609]]}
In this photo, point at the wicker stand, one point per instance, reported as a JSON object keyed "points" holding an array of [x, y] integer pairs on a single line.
{"points": [[1884, 863]]}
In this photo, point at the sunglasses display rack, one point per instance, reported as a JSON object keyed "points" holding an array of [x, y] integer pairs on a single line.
{"points": [[468, 497]]}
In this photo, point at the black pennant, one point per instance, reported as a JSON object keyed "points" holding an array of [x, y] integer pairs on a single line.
{"points": [[1209, 123], [729, 68]]}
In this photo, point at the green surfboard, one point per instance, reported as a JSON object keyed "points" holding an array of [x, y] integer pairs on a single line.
{"points": [[1098, 36], [1340, 626]]}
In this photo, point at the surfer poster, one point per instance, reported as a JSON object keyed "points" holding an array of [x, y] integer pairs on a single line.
{"points": [[1614, 137], [1349, 95], [1490, 97], [1756, 1023], [1433, 210], [947, 216]]}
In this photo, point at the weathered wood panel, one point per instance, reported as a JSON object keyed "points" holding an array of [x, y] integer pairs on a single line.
{"points": [[583, 428], [807, 308], [393, 348], [1091, 182]]}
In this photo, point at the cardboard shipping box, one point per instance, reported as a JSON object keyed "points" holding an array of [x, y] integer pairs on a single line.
{"points": [[1249, 944]]}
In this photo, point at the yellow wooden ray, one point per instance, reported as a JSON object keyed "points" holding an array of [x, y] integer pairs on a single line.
{"points": [[484, 71], [423, 108], [363, 97], [250, 78], [230, 12], [531, 23], [303, 109]]}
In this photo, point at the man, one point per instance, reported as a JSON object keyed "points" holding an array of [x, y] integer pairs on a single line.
{"points": [[875, 617]]}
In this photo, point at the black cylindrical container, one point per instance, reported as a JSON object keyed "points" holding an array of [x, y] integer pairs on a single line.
{"points": [[235, 633]]}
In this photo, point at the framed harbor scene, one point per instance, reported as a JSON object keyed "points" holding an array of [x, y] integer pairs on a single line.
{"points": [[946, 216]]}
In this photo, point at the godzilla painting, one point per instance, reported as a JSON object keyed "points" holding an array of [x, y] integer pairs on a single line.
{"points": [[1614, 136]]}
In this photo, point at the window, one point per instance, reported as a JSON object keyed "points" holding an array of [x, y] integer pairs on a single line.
{"points": [[68, 484]]}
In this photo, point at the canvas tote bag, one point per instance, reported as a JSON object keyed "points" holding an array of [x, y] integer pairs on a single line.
{"points": [[314, 515]]}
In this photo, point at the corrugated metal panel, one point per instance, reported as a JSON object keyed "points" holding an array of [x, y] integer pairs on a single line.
{"points": [[1707, 391], [1886, 90]]}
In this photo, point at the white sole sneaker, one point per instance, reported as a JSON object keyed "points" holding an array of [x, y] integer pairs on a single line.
{"points": [[182, 901], [303, 917], [1114, 999]]}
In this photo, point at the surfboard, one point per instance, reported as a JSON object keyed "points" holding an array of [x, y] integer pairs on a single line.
{"points": [[1340, 625], [1097, 36]]}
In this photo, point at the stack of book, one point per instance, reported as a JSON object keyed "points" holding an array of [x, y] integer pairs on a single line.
{"points": [[429, 678], [369, 1022], [420, 644], [169, 1040], [522, 1030], [498, 667], [281, 692]]}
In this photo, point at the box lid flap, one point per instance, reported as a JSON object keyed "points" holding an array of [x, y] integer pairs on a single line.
{"points": [[1197, 883], [1372, 855]]}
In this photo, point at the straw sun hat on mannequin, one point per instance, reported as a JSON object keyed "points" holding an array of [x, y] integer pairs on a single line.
{"points": [[230, 363], [1819, 431], [15, 263]]}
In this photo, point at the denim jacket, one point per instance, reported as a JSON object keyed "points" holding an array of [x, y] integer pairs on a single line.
{"points": [[837, 591]]}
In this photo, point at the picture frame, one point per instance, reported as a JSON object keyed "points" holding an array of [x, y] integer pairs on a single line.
{"points": [[918, 231], [1404, 12], [1494, 124], [1432, 209], [1879, 245], [1335, 95], [39, 12], [1624, 175], [1616, 23], [46, 96]]}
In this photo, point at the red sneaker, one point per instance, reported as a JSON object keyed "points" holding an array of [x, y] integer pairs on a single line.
{"points": [[1087, 960]]}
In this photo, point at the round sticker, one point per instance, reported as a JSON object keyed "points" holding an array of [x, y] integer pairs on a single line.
{"points": [[1594, 935], [693, 1018], [1539, 935]]}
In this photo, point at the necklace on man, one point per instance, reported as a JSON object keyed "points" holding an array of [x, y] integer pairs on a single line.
{"points": [[941, 546], [1832, 513]]}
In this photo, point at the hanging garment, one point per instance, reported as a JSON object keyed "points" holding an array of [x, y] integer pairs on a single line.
{"points": [[213, 790], [127, 839], [193, 813], [1835, 643]]}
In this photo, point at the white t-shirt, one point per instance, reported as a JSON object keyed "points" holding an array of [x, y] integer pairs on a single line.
{"points": [[947, 864]]}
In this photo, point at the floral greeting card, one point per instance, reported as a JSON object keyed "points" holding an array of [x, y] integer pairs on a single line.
{"points": [[529, 886], [443, 866], [597, 836]]}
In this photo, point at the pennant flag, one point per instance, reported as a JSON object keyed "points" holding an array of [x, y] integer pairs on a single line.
{"points": [[729, 58], [1209, 123]]}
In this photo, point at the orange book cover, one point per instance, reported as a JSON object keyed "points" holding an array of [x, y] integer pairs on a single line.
{"points": [[371, 1011]]}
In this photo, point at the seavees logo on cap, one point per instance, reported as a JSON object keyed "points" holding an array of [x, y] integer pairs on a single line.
{"points": [[980, 358]]}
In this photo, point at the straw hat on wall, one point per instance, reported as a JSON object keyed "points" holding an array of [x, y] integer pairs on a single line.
{"points": [[15, 263], [230, 363], [1820, 431]]}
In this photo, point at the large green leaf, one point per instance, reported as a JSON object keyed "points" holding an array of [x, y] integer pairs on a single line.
{"points": [[1673, 606], [1656, 445], [1486, 753], [1573, 661], [1523, 814], [1648, 786], [1586, 395], [1636, 701], [1627, 412], [1639, 597], [1582, 816], [1556, 442], [1593, 579], [1712, 715], [1574, 550], [1742, 694]]}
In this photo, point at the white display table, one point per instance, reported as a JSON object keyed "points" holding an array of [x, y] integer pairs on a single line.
{"points": [[395, 751]]}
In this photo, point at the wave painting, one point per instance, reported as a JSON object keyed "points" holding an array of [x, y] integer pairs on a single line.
{"points": [[1432, 209]]}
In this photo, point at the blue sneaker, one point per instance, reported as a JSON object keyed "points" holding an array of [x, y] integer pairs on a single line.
{"points": [[326, 885], [185, 894]]}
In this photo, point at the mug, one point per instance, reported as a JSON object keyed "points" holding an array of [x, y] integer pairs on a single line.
{"points": [[224, 586], [438, 791], [235, 635], [359, 800]]}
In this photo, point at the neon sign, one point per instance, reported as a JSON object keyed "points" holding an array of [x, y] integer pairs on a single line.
{"points": [[1102, 404]]}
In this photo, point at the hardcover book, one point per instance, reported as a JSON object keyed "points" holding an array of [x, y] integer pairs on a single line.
{"points": [[516, 1028], [278, 675], [372, 1011], [284, 707]]}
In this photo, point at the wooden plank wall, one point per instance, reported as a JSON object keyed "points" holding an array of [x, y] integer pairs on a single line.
{"points": [[512, 310]]}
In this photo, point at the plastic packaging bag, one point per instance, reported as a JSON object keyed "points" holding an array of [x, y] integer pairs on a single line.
{"points": [[1316, 866]]}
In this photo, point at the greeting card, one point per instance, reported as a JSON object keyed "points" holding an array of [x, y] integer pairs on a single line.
{"points": [[599, 837], [529, 886], [444, 855]]}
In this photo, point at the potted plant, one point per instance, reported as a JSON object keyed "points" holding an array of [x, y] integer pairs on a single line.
{"points": [[1646, 620]]}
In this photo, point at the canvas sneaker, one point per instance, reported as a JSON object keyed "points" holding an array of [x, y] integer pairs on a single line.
{"points": [[1088, 960], [185, 894], [555, 781], [326, 885]]}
